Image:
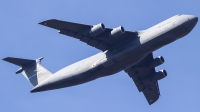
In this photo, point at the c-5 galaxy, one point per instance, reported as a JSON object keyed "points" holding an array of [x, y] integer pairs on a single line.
{"points": [[130, 51]]}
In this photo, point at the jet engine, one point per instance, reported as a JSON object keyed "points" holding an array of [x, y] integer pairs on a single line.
{"points": [[156, 62], [117, 32], [96, 29], [159, 75]]}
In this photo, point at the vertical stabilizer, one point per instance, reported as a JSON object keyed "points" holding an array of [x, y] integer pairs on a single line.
{"points": [[31, 69]]}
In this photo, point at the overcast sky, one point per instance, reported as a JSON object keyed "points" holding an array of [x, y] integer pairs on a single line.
{"points": [[21, 36]]}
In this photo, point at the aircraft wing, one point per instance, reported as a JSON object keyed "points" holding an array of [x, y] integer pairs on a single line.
{"points": [[102, 39], [141, 75]]}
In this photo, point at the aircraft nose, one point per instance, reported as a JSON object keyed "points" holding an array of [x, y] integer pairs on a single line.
{"points": [[192, 21]]}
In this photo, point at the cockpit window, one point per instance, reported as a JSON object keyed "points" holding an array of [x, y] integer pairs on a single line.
{"points": [[179, 14]]}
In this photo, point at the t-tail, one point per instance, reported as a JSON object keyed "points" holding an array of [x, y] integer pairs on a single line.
{"points": [[31, 69]]}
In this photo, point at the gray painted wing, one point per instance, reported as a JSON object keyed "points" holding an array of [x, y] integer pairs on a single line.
{"points": [[141, 74], [80, 31]]}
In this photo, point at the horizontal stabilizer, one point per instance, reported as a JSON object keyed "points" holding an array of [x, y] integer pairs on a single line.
{"points": [[18, 61], [32, 70]]}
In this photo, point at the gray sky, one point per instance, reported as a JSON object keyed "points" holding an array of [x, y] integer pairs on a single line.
{"points": [[21, 36]]}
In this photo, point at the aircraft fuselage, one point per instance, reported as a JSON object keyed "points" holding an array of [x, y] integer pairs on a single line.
{"points": [[121, 56]]}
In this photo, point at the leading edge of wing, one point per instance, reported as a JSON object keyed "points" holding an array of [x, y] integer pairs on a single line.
{"points": [[59, 25]]}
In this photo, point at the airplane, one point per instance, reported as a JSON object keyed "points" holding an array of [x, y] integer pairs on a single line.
{"points": [[131, 51]]}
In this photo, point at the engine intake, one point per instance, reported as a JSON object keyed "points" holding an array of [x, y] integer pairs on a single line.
{"points": [[156, 62], [96, 29], [117, 31], [159, 75]]}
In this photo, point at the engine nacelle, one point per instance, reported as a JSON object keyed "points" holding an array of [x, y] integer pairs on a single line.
{"points": [[156, 62], [159, 75], [96, 29], [117, 32]]}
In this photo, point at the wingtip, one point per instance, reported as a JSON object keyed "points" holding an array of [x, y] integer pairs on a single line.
{"points": [[45, 22], [5, 59], [152, 101], [42, 23]]}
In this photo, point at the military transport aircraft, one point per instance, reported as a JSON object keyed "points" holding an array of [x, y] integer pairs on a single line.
{"points": [[130, 51]]}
